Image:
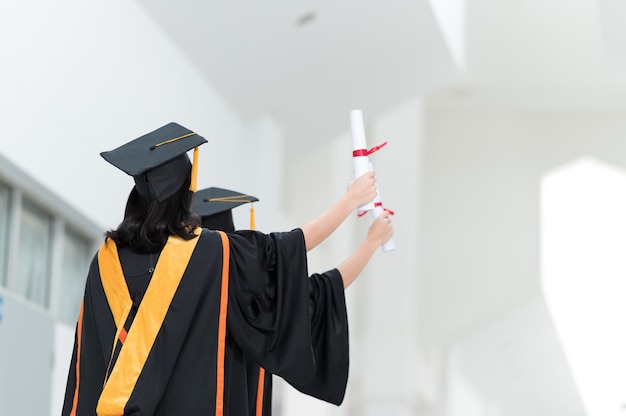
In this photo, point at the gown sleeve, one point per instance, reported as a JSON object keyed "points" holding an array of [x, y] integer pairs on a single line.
{"points": [[329, 333], [292, 325]]}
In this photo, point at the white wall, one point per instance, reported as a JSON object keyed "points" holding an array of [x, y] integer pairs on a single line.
{"points": [[485, 154], [79, 78]]}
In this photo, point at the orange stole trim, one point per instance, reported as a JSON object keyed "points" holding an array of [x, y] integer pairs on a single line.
{"points": [[259, 392], [123, 335], [79, 338], [221, 331], [146, 325], [261, 383]]}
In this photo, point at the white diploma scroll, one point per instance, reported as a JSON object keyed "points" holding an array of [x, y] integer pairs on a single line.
{"points": [[359, 151], [362, 165]]}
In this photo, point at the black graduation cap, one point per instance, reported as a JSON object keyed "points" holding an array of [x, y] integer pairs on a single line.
{"points": [[158, 160], [214, 206]]}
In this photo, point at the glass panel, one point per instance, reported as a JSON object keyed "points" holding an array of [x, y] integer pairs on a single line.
{"points": [[4, 232], [76, 257], [33, 274]]}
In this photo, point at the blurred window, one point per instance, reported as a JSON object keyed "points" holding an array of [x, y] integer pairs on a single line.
{"points": [[33, 268], [4, 232]]}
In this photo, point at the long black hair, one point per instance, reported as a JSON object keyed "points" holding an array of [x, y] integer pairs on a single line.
{"points": [[147, 225]]}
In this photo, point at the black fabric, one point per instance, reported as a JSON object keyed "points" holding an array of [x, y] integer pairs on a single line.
{"points": [[160, 183], [329, 337], [278, 318], [222, 221], [213, 200], [138, 269], [157, 160], [214, 205], [153, 149]]}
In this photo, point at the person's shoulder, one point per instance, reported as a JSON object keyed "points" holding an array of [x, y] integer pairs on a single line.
{"points": [[206, 231], [256, 234], [239, 235], [206, 235], [296, 233]]}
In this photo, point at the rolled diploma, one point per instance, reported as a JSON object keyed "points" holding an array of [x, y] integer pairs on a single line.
{"points": [[378, 209], [361, 163]]}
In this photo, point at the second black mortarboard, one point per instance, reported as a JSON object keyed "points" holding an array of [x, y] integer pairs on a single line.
{"points": [[158, 160], [214, 205]]}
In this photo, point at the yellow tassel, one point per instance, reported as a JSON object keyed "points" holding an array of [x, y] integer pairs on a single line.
{"points": [[194, 170], [252, 222]]}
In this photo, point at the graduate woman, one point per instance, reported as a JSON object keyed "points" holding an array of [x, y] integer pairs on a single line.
{"points": [[215, 205], [163, 295]]}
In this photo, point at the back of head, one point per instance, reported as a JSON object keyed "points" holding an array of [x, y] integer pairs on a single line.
{"points": [[147, 225]]}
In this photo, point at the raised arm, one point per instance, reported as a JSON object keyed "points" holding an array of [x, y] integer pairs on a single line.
{"points": [[360, 191], [379, 233]]}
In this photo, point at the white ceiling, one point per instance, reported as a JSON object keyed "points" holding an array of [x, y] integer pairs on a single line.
{"points": [[373, 55], [352, 54]]}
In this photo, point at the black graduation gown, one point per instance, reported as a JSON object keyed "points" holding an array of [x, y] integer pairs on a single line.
{"points": [[180, 353]]}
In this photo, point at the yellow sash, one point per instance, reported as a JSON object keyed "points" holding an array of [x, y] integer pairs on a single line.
{"points": [[167, 276]]}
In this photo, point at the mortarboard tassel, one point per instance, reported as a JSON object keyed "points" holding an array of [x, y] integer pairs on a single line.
{"points": [[252, 222], [194, 170]]}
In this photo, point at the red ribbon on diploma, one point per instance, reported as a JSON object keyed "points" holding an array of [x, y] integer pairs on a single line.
{"points": [[365, 152], [377, 204]]}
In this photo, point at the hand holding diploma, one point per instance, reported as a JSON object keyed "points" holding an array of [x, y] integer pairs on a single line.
{"points": [[360, 156], [377, 212]]}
